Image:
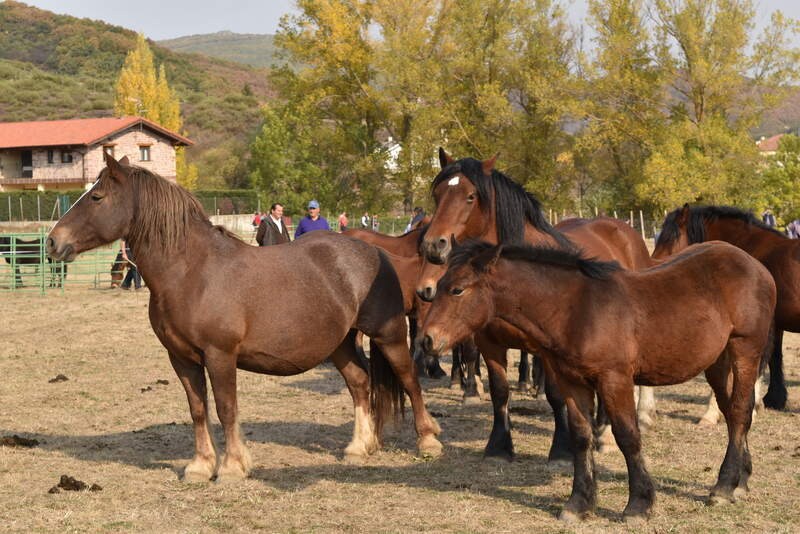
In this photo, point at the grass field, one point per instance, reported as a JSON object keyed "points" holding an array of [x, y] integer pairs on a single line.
{"points": [[112, 424]]}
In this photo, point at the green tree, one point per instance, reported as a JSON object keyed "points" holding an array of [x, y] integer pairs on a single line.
{"points": [[139, 91], [781, 180]]}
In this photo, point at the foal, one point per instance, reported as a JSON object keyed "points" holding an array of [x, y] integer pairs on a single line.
{"points": [[601, 328]]}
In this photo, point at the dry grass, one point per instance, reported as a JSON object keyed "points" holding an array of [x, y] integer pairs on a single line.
{"points": [[101, 428]]}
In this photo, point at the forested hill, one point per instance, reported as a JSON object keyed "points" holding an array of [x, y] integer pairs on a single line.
{"points": [[58, 67], [250, 49]]}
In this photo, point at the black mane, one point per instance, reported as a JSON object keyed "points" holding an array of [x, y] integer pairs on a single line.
{"points": [[699, 215], [514, 206], [555, 257]]}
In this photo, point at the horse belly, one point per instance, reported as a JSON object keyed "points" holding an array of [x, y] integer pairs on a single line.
{"points": [[666, 364], [270, 364]]}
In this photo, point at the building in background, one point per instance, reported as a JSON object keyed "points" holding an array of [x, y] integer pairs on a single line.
{"points": [[68, 154]]}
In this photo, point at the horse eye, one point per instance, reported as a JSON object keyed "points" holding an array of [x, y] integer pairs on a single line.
{"points": [[97, 198], [471, 198], [456, 291]]}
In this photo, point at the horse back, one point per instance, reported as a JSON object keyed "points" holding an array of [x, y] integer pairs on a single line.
{"points": [[608, 239]]}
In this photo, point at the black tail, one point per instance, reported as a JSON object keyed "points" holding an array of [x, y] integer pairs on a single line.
{"points": [[386, 395]]}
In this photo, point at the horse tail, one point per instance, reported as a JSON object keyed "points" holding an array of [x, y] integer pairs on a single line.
{"points": [[386, 394]]}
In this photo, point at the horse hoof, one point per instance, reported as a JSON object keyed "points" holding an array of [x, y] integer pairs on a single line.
{"points": [[471, 400], [740, 492], [635, 519], [569, 517], [455, 386], [645, 422], [198, 471], [429, 447]]}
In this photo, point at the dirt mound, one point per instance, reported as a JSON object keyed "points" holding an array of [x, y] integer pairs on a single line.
{"points": [[18, 441], [68, 483]]}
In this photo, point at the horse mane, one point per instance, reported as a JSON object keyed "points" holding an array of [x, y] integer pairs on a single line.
{"points": [[479, 253], [162, 210], [514, 206], [699, 215]]}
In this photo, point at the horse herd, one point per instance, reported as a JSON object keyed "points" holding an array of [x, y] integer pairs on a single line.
{"points": [[487, 274]]}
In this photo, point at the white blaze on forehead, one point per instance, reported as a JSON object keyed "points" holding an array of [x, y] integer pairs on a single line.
{"points": [[453, 181]]}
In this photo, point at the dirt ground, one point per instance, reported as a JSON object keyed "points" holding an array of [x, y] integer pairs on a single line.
{"points": [[112, 424]]}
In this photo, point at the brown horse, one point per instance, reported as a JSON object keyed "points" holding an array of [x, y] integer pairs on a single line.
{"points": [[600, 328], [779, 254], [476, 201], [206, 307]]}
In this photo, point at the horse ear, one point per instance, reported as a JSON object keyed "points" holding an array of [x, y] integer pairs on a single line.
{"points": [[124, 161], [444, 158], [114, 168], [487, 261], [488, 165], [683, 216]]}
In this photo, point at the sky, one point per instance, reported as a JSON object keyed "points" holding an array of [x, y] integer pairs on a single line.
{"points": [[166, 19]]}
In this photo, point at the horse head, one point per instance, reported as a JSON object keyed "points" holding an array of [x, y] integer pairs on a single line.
{"points": [[674, 235], [101, 215], [461, 205]]}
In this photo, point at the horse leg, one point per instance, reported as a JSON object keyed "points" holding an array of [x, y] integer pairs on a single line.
{"points": [[602, 430], [524, 383], [193, 378], [580, 407], [776, 394], [473, 387], [500, 444], [346, 359], [538, 375], [646, 406], [456, 370], [221, 366], [616, 391], [359, 344], [396, 353], [711, 417], [733, 380], [561, 447]]}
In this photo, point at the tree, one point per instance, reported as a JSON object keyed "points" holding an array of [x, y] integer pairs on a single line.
{"points": [[705, 153], [139, 91]]}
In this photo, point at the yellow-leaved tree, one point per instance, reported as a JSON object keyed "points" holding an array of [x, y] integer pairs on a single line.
{"points": [[142, 92]]}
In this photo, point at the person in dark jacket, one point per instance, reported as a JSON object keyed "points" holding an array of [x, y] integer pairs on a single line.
{"points": [[272, 230]]}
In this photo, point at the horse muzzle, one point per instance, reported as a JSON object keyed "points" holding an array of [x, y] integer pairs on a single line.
{"points": [[59, 250], [437, 250], [427, 292], [432, 346]]}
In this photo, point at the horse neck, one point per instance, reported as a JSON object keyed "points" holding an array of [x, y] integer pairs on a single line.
{"points": [[747, 237], [162, 268], [538, 300]]}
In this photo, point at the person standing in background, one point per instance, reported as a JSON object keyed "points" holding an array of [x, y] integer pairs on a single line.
{"points": [[272, 230], [312, 221], [343, 221]]}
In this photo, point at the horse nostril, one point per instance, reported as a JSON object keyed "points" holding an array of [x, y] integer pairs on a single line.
{"points": [[50, 243], [430, 292], [442, 243]]}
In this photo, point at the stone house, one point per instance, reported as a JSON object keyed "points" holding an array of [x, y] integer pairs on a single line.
{"points": [[68, 154]]}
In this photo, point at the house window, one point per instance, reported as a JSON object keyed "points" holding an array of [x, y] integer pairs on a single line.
{"points": [[109, 149], [51, 157], [144, 153], [66, 157]]}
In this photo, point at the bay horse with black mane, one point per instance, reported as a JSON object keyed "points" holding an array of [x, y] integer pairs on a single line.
{"points": [[476, 201], [600, 328], [206, 307], [779, 254]]}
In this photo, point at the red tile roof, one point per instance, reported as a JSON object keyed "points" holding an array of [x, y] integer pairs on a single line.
{"points": [[74, 132], [770, 144]]}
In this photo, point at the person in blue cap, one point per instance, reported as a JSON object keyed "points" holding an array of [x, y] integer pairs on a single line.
{"points": [[312, 221]]}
